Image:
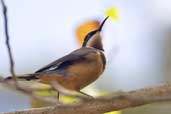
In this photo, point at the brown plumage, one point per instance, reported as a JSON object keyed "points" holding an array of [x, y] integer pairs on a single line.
{"points": [[77, 69], [82, 67]]}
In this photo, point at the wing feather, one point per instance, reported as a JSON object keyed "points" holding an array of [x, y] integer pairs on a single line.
{"points": [[67, 60]]}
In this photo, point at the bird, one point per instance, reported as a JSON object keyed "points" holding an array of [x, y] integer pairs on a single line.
{"points": [[77, 69]]}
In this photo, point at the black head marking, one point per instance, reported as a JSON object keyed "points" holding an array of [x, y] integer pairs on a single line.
{"points": [[88, 36]]}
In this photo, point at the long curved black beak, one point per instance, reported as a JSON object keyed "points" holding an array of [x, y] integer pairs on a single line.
{"points": [[101, 26]]}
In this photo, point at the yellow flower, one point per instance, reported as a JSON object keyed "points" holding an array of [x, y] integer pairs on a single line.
{"points": [[112, 13]]}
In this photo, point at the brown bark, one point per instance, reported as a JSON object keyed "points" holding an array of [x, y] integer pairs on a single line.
{"points": [[106, 104]]}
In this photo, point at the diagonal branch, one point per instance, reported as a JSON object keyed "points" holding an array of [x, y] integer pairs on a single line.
{"points": [[106, 104], [7, 41], [15, 85]]}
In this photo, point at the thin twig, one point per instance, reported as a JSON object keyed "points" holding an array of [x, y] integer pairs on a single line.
{"points": [[16, 86], [31, 92], [106, 104], [8, 41], [24, 90]]}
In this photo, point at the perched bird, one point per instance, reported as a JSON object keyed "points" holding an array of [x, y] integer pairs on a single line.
{"points": [[77, 69]]}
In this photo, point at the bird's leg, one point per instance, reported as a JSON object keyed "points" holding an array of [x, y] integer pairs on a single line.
{"points": [[65, 91], [85, 94], [58, 95], [55, 87]]}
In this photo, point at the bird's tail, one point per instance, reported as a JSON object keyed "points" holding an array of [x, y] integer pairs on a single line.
{"points": [[26, 77]]}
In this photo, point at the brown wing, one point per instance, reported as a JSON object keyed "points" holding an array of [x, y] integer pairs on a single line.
{"points": [[67, 60]]}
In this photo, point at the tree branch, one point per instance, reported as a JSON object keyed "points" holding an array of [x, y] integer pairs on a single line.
{"points": [[4, 8], [12, 71], [106, 104]]}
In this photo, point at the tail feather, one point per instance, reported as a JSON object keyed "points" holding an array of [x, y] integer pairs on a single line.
{"points": [[28, 77]]}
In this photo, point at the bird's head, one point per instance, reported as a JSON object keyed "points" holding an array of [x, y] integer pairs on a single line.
{"points": [[94, 39]]}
